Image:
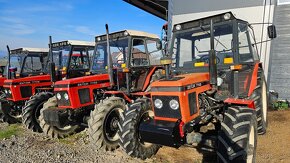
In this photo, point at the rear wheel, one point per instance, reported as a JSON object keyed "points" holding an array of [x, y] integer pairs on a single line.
{"points": [[31, 110], [9, 114], [261, 102], [129, 130], [53, 131], [237, 139], [103, 123]]}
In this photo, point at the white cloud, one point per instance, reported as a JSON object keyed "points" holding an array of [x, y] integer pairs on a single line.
{"points": [[85, 30]]}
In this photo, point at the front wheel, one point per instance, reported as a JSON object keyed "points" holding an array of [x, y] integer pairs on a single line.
{"points": [[103, 123], [53, 131], [129, 131], [9, 114], [237, 138], [31, 110]]}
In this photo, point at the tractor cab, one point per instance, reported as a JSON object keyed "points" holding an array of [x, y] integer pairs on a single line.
{"points": [[71, 58], [25, 62], [134, 54]]}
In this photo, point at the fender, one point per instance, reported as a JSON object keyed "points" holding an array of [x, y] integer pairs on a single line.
{"points": [[148, 78], [119, 93], [254, 79], [249, 103]]}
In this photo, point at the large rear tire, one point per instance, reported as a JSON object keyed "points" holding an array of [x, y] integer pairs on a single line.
{"points": [[129, 131], [53, 131], [31, 111], [103, 123], [260, 98], [7, 113], [237, 139]]}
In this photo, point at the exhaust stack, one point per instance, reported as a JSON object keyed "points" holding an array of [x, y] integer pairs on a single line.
{"points": [[8, 65], [109, 58], [212, 59]]}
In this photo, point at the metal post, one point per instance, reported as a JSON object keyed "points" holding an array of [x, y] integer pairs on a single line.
{"points": [[212, 58], [109, 58]]}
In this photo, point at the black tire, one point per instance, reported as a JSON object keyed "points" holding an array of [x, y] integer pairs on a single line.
{"points": [[237, 138], [260, 98], [128, 131], [31, 110], [7, 114], [53, 131], [103, 123]]}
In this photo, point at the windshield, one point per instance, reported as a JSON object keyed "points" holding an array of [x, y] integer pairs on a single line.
{"points": [[32, 63], [118, 50], [60, 56], [193, 46], [16, 61]]}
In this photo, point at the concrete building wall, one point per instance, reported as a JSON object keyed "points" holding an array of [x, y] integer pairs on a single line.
{"points": [[253, 11], [279, 77]]}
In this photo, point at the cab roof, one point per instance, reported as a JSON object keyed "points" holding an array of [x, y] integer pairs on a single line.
{"points": [[73, 42], [125, 33], [30, 50]]}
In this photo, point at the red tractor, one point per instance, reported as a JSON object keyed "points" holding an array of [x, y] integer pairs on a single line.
{"points": [[142, 53], [25, 73], [214, 88], [69, 110], [70, 59]]}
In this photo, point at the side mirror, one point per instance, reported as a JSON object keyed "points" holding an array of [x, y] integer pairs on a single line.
{"points": [[159, 45], [52, 72], [272, 32]]}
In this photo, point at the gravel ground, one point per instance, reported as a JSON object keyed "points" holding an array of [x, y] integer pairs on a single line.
{"points": [[33, 147]]}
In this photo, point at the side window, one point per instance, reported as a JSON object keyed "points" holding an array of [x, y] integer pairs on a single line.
{"points": [[185, 51], [99, 59], [154, 53], [138, 53], [79, 59], [32, 64], [244, 48]]}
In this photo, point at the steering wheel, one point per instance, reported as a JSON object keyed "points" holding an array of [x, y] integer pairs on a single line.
{"points": [[205, 59]]}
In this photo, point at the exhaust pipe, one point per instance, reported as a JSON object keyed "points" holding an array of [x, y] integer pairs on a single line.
{"points": [[51, 63], [212, 59], [109, 58], [8, 64]]}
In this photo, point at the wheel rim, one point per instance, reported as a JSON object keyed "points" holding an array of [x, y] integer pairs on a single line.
{"points": [[111, 124], [251, 148], [265, 104]]}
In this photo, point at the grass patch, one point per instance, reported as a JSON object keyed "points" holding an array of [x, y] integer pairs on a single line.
{"points": [[7, 132], [70, 140]]}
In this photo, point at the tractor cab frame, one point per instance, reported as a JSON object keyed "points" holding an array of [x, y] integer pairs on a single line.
{"points": [[213, 78]]}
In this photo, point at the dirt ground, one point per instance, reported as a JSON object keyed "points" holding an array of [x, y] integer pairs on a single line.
{"points": [[30, 147]]}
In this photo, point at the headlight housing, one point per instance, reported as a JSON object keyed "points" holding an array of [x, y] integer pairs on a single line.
{"points": [[65, 96], [158, 103], [58, 96], [174, 104]]}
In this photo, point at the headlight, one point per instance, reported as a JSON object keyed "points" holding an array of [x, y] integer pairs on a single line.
{"points": [[227, 16], [58, 96], [158, 103], [174, 104], [9, 91], [6, 91], [178, 27], [65, 96]]}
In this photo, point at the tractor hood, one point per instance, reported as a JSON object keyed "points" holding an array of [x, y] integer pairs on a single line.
{"points": [[83, 81], [28, 80], [182, 80]]}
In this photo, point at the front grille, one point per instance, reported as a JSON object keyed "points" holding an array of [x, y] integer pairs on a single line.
{"points": [[62, 101], [26, 91], [192, 103], [84, 95], [166, 111]]}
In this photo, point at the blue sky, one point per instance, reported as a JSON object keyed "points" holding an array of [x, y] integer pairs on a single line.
{"points": [[26, 23]]}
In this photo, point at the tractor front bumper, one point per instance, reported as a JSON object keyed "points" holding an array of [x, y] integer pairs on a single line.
{"points": [[56, 117], [161, 132]]}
